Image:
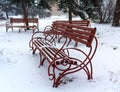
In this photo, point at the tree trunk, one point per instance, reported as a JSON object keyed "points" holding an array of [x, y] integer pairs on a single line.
{"points": [[24, 13], [116, 17], [69, 11], [70, 14], [7, 15]]}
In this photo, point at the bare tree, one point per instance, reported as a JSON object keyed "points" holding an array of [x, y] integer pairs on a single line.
{"points": [[106, 11], [116, 19]]}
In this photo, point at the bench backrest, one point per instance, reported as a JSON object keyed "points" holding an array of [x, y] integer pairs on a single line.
{"points": [[21, 20], [33, 20], [77, 33], [85, 23], [17, 20]]}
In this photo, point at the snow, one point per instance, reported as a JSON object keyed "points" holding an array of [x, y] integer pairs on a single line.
{"points": [[19, 70]]}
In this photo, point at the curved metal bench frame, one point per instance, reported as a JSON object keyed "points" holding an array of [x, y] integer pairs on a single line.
{"points": [[61, 63]]}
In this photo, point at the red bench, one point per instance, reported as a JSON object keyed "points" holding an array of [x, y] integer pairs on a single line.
{"points": [[61, 60], [21, 24]]}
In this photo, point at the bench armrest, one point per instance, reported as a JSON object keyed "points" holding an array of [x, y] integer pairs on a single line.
{"points": [[82, 55], [50, 38], [47, 28]]}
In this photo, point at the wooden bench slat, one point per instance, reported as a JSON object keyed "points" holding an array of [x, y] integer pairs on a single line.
{"points": [[85, 23], [46, 54], [50, 53], [44, 43]]}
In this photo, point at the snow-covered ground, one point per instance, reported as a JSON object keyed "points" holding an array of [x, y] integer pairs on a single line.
{"points": [[19, 70]]}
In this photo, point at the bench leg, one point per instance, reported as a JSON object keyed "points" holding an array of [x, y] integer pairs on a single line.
{"points": [[41, 60], [88, 69], [6, 29], [34, 51], [69, 42], [35, 28], [12, 28], [76, 43], [19, 30]]}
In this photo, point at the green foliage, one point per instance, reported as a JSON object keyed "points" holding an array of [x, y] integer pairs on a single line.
{"points": [[44, 4], [39, 3], [84, 8], [33, 7], [65, 4]]}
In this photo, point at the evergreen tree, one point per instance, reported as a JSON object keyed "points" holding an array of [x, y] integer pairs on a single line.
{"points": [[68, 6], [88, 9], [44, 4], [84, 8], [26, 4], [5, 7], [22, 2]]}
